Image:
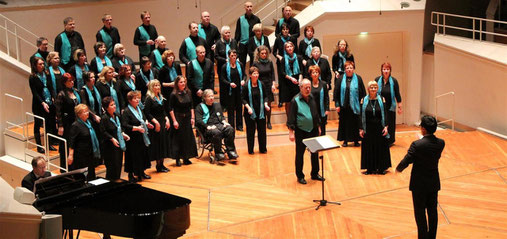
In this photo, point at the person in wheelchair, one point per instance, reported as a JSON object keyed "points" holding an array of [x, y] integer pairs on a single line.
{"points": [[210, 120]]}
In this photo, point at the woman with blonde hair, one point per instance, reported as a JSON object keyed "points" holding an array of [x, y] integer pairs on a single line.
{"points": [[155, 109], [54, 72], [120, 58], [108, 86], [257, 40]]}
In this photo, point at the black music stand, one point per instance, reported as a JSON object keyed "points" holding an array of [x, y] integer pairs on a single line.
{"points": [[317, 145]]}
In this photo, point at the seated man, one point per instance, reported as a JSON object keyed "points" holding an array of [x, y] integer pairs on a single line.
{"points": [[39, 171], [210, 120]]}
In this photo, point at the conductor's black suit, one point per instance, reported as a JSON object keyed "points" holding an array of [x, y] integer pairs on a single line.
{"points": [[424, 182]]}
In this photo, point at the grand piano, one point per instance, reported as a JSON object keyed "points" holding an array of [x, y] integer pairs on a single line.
{"points": [[116, 208]]}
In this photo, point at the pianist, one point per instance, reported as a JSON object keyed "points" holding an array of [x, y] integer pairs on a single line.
{"points": [[39, 171]]}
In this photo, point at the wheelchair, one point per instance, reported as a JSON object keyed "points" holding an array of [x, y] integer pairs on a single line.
{"points": [[204, 144]]}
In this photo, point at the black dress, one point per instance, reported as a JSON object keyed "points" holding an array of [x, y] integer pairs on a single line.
{"points": [[182, 139], [159, 147], [289, 88], [164, 76], [136, 155], [391, 115], [65, 117], [375, 155], [267, 77], [348, 124], [81, 141], [113, 156], [322, 103]]}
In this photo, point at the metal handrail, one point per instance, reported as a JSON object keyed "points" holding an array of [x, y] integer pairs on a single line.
{"points": [[17, 36], [21, 112], [45, 147], [275, 10], [453, 104], [444, 26], [66, 153]]}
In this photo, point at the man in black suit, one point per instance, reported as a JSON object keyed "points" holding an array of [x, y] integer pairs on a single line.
{"points": [[425, 180], [39, 171]]}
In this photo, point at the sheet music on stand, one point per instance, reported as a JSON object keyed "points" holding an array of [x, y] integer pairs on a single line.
{"points": [[320, 143], [317, 145]]}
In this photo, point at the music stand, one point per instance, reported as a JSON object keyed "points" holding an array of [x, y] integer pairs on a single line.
{"points": [[317, 145]]}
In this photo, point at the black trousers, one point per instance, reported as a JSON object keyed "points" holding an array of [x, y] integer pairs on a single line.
{"points": [[300, 151], [50, 123], [425, 202], [216, 135], [323, 122], [234, 110], [251, 126], [242, 53]]}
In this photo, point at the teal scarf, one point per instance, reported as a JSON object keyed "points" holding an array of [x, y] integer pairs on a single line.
{"points": [[66, 48], [304, 118], [116, 123], [261, 114], [201, 32], [172, 72], [191, 54], [158, 59], [159, 99], [100, 66], [45, 91], [295, 65], [309, 46], [144, 50], [341, 67], [53, 77], [380, 83], [280, 22], [227, 47], [228, 68], [78, 97], [124, 61], [205, 111], [91, 99], [130, 83], [354, 93], [284, 40], [321, 102], [257, 42], [95, 140], [198, 73], [114, 95], [363, 113], [245, 30], [146, 80], [79, 75], [139, 116], [106, 38], [40, 56]]}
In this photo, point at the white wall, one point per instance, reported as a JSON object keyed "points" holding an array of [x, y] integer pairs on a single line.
{"points": [[428, 84], [479, 84], [408, 23]]}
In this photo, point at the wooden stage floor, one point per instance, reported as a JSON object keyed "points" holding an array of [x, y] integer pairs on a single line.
{"points": [[259, 196]]}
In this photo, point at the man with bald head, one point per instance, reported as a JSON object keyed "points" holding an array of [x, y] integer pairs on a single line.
{"points": [[292, 23], [156, 55], [188, 47], [209, 32], [200, 74], [244, 31], [303, 122]]}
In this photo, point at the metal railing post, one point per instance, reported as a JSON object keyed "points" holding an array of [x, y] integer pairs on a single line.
{"points": [[438, 23], [473, 29], [7, 39], [453, 108], [444, 24], [16, 42], [66, 150], [480, 29]]}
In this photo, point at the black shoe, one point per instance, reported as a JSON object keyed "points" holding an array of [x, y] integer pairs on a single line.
{"points": [[132, 178], [178, 163], [356, 144], [145, 176], [232, 155], [280, 104], [318, 178], [187, 162], [345, 144], [269, 126], [301, 180], [250, 152], [106, 237], [52, 148], [220, 156], [240, 128], [367, 172], [264, 152], [161, 169], [41, 150], [382, 172]]}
